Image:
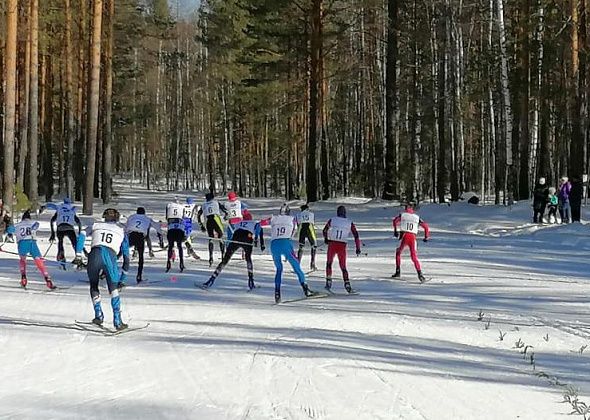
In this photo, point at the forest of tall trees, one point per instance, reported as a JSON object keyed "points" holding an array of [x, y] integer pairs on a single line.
{"points": [[421, 99]]}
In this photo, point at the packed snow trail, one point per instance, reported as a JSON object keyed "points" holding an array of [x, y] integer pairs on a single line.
{"points": [[399, 349]]}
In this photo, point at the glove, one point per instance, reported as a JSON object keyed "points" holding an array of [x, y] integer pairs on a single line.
{"points": [[161, 239], [358, 252], [262, 248], [396, 234], [425, 239], [326, 241], [121, 285], [52, 237], [123, 278], [203, 229], [78, 261], [255, 243]]}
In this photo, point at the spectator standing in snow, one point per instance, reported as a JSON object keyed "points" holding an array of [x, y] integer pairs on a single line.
{"points": [[564, 199], [540, 196], [576, 193], [553, 201]]}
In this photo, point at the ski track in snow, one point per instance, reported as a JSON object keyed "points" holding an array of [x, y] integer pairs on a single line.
{"points": [[399, 349]]}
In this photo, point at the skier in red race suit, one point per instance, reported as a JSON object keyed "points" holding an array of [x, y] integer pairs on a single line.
{"points": [[336, 233], [408, 222]]}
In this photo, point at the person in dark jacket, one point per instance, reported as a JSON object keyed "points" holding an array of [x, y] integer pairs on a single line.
{"points": [[576, 193], [563, 195], [540, 196]]}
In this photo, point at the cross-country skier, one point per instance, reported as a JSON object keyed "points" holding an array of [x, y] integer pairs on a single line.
{"points": [[282, 228], [27, 245], [138, 228], [213, 224], [408, 222], [305, 220], [234, 212], [175, 235], [5, 224], [64, 218], [336, 233], [188, 215], [246, 236], [108, 241]]}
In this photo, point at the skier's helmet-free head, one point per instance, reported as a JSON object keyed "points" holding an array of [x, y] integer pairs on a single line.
{"points": [[140, 210], [341, 211], [209, 196], [564, 179], [285, 210], [541, 181], [26, 215], [552, 190], [246, 215], [67, 200], [190, 200], [304, 207], [232, 196], [111, 215]]}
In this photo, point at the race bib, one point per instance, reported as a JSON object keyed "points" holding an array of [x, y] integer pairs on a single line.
{"points": [[138, 223], [174, 211], [248, 225], [211, 208], [281, 227], [339, 229], [188, 211], [176, 225], [107, 234], [306, 217], [66, 215], [25, 230], [409, 223], [234, 209]]}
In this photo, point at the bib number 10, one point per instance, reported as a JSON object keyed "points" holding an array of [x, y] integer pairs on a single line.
{"points": [[106, 237]]}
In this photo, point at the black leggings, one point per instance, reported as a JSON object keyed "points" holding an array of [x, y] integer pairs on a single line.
{"points": [[244, 237], [61, 234], [137, 240], [214, 229], [176, 236]]}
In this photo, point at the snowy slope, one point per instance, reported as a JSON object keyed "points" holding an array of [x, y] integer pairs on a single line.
{"points": [[399, 350]]}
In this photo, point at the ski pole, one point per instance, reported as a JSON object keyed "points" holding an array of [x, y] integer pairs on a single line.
{"points": [[48, 248]]}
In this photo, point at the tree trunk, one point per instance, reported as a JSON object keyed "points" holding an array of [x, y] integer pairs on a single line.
{"points": [[33, 190], [93, 103], [24, 110], [70, 106], [525, 140], [10, 102], [108, 108], [390, 185], [314, 99]]}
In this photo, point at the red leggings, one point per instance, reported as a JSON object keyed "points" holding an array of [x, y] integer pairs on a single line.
{"points": [[407, 240], [337, 249]]}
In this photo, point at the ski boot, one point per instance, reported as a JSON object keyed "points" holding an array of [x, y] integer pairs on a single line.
{"points": [[208, 283], [61, 259], [308, 292], [210, 261], [277, 295], [251, 284], [138, 279], [182, 266], [49, 283], [313, 267], [397, 274], [23, 281], [328, 286], [348, 287], [168, 265], [151, 254], [421, 277]]}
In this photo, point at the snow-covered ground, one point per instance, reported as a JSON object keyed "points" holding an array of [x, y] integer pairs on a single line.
{"points": [[399, 350]]}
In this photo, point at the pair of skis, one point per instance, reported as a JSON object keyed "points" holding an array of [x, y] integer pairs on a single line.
{"points": [[106, 331]]}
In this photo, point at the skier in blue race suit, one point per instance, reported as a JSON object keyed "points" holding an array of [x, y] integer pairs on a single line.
{"points": [[108, 240], [282, 228]]}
